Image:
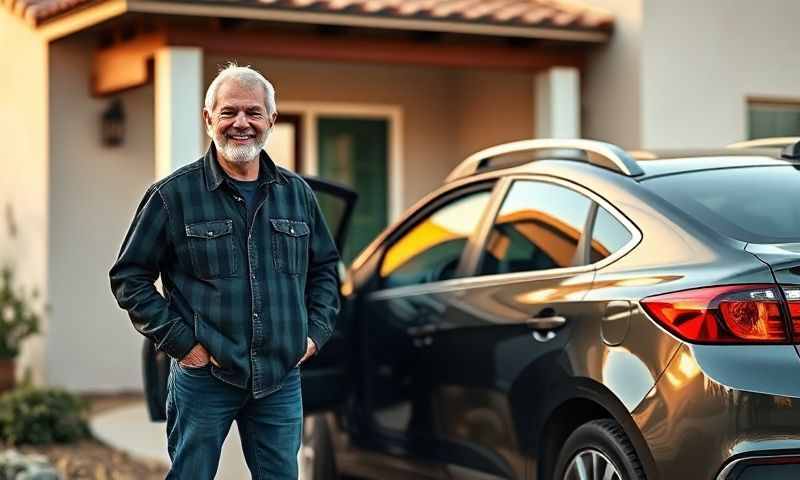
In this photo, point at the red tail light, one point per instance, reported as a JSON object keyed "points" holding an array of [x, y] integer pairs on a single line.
{"points": [[792, 295], [729, 314]]}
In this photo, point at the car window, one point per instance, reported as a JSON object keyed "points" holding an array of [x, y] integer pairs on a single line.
{"points": [[608, 235], [752, 204], [431, 250], [538, 227]]}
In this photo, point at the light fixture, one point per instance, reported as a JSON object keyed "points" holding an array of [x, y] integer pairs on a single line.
{"points": [[112, 125]]}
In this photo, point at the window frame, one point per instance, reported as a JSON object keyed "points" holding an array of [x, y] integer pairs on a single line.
{"points": [[421, 214], [476, 250]]}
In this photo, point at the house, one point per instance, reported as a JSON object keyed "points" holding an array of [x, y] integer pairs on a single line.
{"points": [[384, 95], [100, 98]]}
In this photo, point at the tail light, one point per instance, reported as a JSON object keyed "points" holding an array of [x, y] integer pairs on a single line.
{"points": [[732, 314], [792, 295]]}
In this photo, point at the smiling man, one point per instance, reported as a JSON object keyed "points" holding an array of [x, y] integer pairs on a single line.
{"points": [[248, 269]]}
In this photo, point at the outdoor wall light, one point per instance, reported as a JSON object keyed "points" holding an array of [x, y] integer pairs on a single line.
{"points": [[112, 125]]}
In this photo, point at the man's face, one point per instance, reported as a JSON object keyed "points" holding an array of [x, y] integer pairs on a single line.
{"points": [[239, 124]]}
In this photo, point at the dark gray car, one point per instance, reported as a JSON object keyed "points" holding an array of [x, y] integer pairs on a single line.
{"points": [[567, 310]]}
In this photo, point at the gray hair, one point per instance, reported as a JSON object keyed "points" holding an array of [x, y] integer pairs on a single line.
{"points": [[247, 76]]}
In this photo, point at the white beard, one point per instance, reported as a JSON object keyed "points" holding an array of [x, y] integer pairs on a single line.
{"points": [[241, 153]]}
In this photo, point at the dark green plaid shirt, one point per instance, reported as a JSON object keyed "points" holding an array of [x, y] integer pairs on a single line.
{"points": [[250, 290]]}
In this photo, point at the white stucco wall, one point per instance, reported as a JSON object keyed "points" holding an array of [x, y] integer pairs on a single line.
{"points": [[24, 181], [612, 80], [94, 192], [701, 60], [677, 74]]}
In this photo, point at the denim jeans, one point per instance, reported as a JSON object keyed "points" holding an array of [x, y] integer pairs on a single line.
{"points": [[201, 409]]}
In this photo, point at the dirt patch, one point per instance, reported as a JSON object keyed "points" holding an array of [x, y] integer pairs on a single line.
{"points": [[93, 460]]}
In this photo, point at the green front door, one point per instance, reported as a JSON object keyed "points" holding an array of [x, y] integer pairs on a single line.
{"points": [[353, 151]]}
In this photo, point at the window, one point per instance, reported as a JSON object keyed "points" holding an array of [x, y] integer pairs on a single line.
{"points": [[608, 235], [751, 204], [773, 118], [430, 252], [538, 227]]}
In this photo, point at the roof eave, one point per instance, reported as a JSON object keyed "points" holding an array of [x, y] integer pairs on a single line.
{"points": [[369, 21]]}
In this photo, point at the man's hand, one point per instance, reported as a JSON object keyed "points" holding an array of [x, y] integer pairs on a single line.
{"points": [[198, 357], [311, 349]]}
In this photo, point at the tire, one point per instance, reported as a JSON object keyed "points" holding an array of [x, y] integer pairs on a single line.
{"points": [[595, 448], [316, 455]]}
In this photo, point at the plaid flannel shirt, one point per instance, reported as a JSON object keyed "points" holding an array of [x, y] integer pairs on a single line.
{"points": [[250, 290]]}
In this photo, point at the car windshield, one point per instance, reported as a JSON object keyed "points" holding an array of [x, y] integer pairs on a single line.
{"points": [[752, 204]]}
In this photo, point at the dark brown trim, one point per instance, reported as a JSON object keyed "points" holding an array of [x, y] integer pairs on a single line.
{"points": [[379, 50]]}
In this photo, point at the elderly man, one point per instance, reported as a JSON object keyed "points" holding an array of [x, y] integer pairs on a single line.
{"points": [[249, 277]]}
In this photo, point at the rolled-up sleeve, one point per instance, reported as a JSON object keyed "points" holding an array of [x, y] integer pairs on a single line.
{"points": [[134, 274], [322, 283]]}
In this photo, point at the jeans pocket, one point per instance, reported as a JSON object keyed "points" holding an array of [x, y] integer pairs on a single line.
{"points": [[203, 371], [212, 248], [290, 245]]}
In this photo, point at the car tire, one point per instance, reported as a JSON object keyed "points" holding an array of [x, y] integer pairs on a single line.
{"points": [[594, 448], [317, 456]]}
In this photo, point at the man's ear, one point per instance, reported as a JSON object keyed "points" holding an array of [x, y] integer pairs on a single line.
{"points": [[206, 119], [273, 118]]}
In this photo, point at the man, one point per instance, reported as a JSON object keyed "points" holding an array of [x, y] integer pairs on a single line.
{"points": [[248, 269]]}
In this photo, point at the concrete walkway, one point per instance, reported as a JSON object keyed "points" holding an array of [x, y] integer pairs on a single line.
{"points": [[129, 429]]}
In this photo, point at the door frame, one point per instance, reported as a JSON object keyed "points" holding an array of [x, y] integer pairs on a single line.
{"points": [[310, 112]]}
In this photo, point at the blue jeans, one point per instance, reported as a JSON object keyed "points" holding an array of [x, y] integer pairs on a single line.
{"points": [[201, 409]]}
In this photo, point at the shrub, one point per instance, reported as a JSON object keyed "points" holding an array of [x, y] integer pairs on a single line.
{"points": [[18, 320], [30, 415]]}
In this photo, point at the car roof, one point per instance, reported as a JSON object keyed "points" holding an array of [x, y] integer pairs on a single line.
{"points": [[668, 162], [637, 165]]}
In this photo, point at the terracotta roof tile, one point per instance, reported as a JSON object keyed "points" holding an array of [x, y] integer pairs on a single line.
{"points": [[565, 14]]}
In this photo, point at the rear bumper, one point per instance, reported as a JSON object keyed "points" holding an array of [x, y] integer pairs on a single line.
{"points": [[703, 423], [785, 466]]}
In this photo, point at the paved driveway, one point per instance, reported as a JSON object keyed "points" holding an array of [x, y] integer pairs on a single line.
{"points": [[129, 429]]}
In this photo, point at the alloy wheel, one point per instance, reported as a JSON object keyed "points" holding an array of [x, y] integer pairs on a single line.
{"points": [[591, 464]]}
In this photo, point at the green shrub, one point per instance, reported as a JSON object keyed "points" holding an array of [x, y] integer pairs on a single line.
{"points": [[30, 415], [18, 319]]}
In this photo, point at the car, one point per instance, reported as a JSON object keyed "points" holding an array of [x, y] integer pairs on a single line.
{"points": [[564, 309]]}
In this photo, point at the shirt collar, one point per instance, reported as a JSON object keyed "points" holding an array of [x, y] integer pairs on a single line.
{"points": [[267, 172]]}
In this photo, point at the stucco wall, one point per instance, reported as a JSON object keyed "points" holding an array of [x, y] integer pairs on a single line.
{"points": [[612, 80], [701, 60], [677, 74], [24, 181], [447, 113], [94, 191], [492, 107]]}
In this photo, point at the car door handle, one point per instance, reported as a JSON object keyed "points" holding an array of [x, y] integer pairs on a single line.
{"points": [[541, 324]]}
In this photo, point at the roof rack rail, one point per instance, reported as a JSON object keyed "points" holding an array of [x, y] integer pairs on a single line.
{"points": [[602, 154], [774, 142]]}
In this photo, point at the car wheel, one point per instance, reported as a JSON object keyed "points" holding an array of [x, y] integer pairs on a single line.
{"points": [[598, 450], [316, 454]]}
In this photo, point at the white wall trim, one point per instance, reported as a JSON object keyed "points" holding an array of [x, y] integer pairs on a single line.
{"points": [[178, 103], [557, 95], [311, 111]]}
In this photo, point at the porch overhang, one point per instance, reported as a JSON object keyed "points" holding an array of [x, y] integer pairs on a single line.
{"points": [[555, 20]]}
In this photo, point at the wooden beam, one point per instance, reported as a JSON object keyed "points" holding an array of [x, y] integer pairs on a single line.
{"points": [[378, 50], [124, 65]]}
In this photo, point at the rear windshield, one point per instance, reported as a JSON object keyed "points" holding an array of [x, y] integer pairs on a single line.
{"points": [[752, 204]]}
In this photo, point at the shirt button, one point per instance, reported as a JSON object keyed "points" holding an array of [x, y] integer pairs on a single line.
{"points": [[253, 276], [210, 234], [291, 230], [255, 315]]}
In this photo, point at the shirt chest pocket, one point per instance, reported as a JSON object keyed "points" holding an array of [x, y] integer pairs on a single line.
{"points": [[212, 249], [290, 245]]}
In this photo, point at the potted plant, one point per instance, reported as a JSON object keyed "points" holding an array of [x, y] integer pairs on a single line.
{"points": [[18, 321]]}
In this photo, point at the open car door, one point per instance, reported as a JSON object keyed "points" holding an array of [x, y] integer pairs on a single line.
{"points": [[325, 381]]}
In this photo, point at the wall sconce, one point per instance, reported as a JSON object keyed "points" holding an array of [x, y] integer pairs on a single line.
{"points": [[112, 125]]}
